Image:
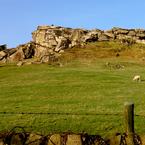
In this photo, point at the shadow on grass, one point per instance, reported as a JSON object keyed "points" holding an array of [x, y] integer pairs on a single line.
{"points": [[1, 66]]}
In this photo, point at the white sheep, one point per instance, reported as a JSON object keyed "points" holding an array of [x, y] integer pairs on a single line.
{"points": [[136, 78]]}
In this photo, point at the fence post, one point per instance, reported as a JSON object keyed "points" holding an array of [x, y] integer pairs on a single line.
{"points": [[129, 121]]}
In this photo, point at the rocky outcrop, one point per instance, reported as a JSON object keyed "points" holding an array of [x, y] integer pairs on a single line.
{"points": [[53, 39], [125, 34], [19, 53], [48, 42]]}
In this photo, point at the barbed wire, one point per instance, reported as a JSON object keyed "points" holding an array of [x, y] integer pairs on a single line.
{"points": [[66, 113]]}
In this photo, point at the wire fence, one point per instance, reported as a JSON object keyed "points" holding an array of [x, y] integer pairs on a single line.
{"points": [[58, 121], [20, 134], [67, 113], [44, 122]]}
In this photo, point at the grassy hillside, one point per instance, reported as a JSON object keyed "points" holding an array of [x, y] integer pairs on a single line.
{"points": [[85, 94], [91, 51]]}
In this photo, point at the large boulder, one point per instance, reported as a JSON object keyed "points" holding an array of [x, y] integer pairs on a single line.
{"points": [[118, 30], [54, 39], [131, 33], [21, 52], [62, 43], [103, 37], [2, 55], [17, 56], [141, 36], [76, 37], [28, 50], [91, 36]]}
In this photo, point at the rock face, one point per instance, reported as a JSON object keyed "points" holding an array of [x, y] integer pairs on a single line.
{"points": [[19, 53], [50, 41]]}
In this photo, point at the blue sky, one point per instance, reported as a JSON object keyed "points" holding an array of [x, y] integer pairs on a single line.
{"points": [[18, 18]]}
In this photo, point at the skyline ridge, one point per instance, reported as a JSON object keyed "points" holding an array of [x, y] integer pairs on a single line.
{"points": [[20, 18]]}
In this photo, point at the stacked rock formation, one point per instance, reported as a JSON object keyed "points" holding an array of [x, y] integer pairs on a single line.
{"points": [[19, 53], [50, 41]]}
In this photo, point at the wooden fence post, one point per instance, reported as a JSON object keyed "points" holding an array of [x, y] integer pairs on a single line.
{"points": [[129, 121]]}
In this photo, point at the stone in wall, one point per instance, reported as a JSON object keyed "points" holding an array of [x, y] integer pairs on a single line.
{"points": [[74, 139], [34, 139], [55, 139]]}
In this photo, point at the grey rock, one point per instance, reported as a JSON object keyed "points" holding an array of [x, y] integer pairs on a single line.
{"points": [[141, 35], [131, 33], [103, 37], [17, 56], [2, 55], [90, 36], [118, 30]]}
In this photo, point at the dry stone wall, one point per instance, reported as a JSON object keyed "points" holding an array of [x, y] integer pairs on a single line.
{"points": [[48, 42], [21, 138]]}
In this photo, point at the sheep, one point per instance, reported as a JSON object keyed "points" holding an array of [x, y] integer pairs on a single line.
{"points": [[136, 78]]}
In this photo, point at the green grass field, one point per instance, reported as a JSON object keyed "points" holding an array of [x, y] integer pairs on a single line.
{"points": [[80, 96]]}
